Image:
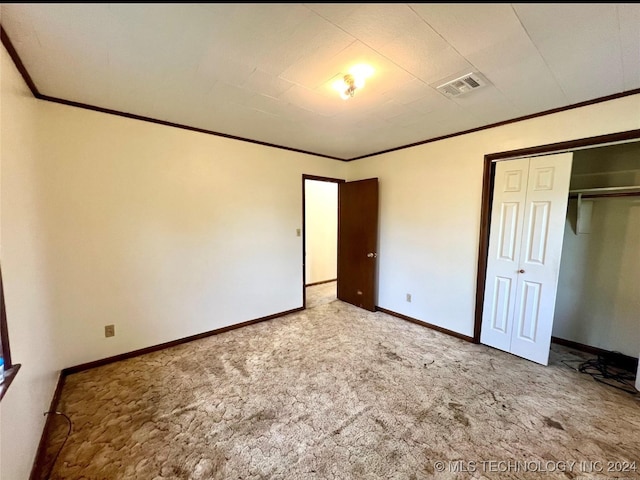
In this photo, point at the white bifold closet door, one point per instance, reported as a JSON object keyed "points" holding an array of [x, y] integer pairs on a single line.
{"points": [[529, 208]]}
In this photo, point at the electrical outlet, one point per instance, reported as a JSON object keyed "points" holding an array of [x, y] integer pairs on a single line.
{"points": [[109, 330], [298, 232], [408, 297]]}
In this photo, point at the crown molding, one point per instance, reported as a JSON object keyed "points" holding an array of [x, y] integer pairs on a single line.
{"points": [[6, 41]]}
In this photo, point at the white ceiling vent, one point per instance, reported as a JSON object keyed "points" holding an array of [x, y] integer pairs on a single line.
{"points": [[461, 85]]}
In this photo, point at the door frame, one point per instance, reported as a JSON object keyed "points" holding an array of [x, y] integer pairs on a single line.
{"points": [[487, 197], [304, 227]]}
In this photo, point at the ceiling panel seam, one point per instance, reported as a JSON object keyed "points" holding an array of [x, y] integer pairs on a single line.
{"points": [[544, 60]]}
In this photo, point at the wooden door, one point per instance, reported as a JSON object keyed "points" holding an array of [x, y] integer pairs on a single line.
{"points": [[525, 244], [358, 242]]}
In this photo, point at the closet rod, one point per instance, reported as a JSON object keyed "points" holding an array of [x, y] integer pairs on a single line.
{"points": [[606, 189]]}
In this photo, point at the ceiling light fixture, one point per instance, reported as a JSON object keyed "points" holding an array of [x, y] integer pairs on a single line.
{"points": [[347, 85], [350, 84]]}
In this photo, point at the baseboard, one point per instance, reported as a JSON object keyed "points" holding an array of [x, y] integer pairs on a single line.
{"points": [[173, 343], [594, 350], [38, 463], [320, 283], [425, 324]]}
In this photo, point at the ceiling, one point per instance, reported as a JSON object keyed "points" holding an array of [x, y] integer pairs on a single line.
{"points": [[264, 72]]}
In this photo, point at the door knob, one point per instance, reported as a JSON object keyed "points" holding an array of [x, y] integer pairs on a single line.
{"points": [[520, 271], [372, 255]]}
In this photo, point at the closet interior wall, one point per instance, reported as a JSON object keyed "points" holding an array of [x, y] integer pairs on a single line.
{"points": [[598, 299]]}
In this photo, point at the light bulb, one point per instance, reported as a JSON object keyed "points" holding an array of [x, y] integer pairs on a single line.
{"points": [[347, 85], [340, 85]]}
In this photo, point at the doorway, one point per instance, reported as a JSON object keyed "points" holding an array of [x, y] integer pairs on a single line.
{"points": [[357, 241], [487, 201], [320, 239]]}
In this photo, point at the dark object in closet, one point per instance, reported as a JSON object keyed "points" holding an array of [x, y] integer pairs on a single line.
{"points": [[614, 369]]}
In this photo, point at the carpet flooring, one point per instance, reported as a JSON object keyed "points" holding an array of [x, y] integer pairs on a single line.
{"points": [[337, 392], [321, 294]]}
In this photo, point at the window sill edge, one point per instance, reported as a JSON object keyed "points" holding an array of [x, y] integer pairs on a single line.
{"points": [[9, 375]]}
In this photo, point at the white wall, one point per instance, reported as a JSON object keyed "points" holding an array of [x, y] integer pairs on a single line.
{"points": [[598, 298], [430, 199], [321, 214], [27, 277], [163, 232]]}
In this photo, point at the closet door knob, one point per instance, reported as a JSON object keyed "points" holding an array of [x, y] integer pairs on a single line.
{"points": [[520, 271]]}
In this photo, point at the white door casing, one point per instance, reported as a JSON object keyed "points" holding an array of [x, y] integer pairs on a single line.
{"points": [[533, 278]]}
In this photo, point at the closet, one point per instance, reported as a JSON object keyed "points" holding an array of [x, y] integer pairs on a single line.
{"points": [[527, 223], [598, 300], [564, 252]]}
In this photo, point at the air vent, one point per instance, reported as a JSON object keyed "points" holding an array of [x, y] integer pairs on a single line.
{"points": [[461, 85]]}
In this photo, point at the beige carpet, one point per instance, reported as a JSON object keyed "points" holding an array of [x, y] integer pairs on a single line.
{"points": [[336, 392], [321, 294]]}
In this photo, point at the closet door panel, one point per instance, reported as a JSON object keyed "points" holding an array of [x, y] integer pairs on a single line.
{"points": [[507, 239], [510, 189], [539, 263], [537, 232], [500, 305], [528, 311]]}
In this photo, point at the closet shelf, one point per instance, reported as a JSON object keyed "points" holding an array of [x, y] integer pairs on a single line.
{"points": [[585, 205], [606, 190]]}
